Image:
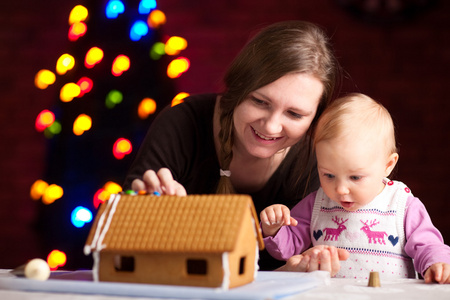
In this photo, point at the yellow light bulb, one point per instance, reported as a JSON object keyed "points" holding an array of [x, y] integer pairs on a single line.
{"points": [[69, 91], [174, 45], [78, 14], [64, 63]]}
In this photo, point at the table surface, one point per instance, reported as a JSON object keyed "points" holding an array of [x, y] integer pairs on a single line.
{"points": [[328, 288]]}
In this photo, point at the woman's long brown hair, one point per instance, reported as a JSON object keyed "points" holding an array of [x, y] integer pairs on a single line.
{"points": [[280, 49]]}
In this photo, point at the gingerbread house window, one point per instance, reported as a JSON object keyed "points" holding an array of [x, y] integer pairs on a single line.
{"points": [[197, 266], [124, 263], [242, 266]]}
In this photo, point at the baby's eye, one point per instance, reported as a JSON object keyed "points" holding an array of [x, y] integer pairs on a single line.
{"points": [[355, 178]]}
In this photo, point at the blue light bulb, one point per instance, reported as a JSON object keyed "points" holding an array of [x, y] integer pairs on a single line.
{"points": [[145, 6], [114, 8], [138, 30], [80, 216]]}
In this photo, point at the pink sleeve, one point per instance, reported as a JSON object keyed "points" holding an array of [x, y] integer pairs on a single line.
{"points": [[292, 240], [424, 242]]}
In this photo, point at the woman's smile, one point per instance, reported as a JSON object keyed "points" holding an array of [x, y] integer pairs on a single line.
{"points": [[263, 137]]}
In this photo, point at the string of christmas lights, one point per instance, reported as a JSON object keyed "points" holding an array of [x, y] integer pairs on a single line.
{"points": [[88, 95]]}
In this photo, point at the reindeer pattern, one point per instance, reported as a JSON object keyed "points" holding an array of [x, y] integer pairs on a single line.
{"points": [[374, 237], [333, 233]]}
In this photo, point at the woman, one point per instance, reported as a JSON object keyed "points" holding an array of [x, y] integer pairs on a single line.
{"points": [[255, 137]]}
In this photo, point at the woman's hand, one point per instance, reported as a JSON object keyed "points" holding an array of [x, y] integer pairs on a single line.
{"points": [[321, 257], [275, 216], [161, 182]]}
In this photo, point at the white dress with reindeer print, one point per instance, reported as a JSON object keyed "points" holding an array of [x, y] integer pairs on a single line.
{"points": [[373, 235]]}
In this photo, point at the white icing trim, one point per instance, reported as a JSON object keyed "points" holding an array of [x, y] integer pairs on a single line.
{"points": [[256, 261], [114, 204], [257, 248], [95, 268], [226, 271], [88, 248]]}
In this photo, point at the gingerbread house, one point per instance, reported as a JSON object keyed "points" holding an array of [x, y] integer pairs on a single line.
{"points": [[197, 240]]}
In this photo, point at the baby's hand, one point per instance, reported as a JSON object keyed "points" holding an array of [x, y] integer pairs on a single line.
{"points": [[438, 272], [275, 216]]}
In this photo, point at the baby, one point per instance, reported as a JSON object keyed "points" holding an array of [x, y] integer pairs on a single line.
{"points": [[357, 208]]}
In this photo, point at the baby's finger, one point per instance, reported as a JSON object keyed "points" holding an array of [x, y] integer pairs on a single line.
{"points": [[428, 277], [294, 222], [285, 215], [445, 275], [437, 273], [263, 217], [271, 216]]}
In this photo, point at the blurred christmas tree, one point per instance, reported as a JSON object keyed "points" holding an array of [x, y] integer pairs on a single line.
{"points": [[114, 78]]}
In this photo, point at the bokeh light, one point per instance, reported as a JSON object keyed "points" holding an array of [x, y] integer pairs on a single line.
{"points": [[78, 14], [76, 31], [138, 30], [93, 57], [48, 193], [44, 119], [113, 98], [56, 259], [52, 193], [179, 98], [145, 6], [157, 50], [65, 63], [44, 78], [177, 67], [175, 45], [121, 148], [85, 84], [69, 91], [105, 192], [114, 8], [37, 189], [156, 18], [53, 129], [80, 216], [146, 107], [120, 64], [100, 197], [81, 124], [112, 187]]}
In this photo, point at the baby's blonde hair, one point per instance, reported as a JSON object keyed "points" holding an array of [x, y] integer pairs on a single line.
{"points": [[357, 116]]}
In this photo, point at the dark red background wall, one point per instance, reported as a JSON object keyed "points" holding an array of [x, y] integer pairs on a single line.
{"points": [[404, 65]]}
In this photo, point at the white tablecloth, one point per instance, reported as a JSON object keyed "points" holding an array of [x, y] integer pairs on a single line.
{"points": [[269, 285]]}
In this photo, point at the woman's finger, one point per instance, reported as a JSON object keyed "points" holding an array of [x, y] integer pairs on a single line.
{"points": [[314, 262], [152, 182], [138, 185], [167, 183], [325, 261], [179, 189]]}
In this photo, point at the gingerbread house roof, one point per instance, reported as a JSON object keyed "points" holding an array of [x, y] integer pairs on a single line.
{"points": [[195, 223]]}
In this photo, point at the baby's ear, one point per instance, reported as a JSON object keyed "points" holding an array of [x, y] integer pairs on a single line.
{"points": [[392, 161]]}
